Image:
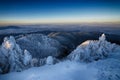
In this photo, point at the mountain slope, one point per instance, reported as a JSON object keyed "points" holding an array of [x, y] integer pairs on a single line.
{"points": [[40, 46]]}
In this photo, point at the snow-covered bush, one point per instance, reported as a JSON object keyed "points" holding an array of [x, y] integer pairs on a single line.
{"points": [[49, 60], [42, 62], [34, 62], [38, 62], [91, 50]]}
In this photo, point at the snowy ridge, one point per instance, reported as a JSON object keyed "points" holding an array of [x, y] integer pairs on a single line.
{"points": [[40, 46]]}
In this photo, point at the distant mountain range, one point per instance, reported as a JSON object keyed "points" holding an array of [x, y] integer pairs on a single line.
{"points": [[9, 27]]}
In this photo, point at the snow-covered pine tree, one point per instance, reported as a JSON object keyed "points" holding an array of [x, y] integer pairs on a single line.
{"points": [[91, 50], [11, 56], [27, 58], [102, 37]]}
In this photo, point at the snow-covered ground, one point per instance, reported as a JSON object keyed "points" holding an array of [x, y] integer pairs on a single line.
{"points": [[107, 69], [66, 70]]}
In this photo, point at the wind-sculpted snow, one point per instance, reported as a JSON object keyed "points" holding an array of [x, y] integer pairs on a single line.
{"points": [[40, 46], [91, 50]]}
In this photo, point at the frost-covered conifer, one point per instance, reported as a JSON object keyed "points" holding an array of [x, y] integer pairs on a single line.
{"points": [[12, 57], [27, 57], [91, 50]]}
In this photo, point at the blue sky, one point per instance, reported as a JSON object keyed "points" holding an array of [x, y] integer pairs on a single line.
{"points": [[58, 11]]}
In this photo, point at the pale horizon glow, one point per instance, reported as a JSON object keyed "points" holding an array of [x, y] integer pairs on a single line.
{"points": [[60, 20]]}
